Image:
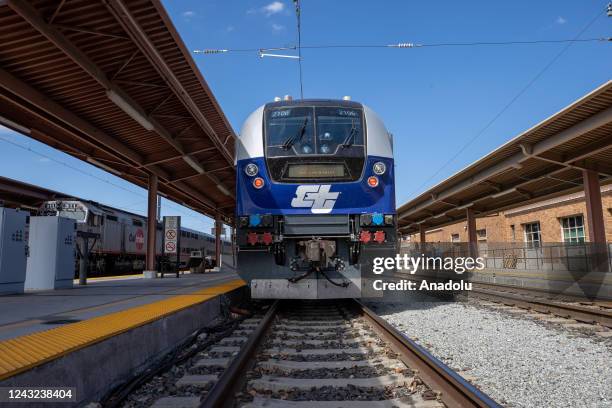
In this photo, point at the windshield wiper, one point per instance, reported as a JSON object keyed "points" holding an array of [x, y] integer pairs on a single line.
{"points": [[348, 142], [292, 139]]}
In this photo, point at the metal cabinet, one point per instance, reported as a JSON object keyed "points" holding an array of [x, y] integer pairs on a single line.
{"points": [[12, 250], [51, 262]]}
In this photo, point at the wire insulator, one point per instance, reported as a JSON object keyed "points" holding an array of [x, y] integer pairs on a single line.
{"points": [[210, 51], [404, 45]]}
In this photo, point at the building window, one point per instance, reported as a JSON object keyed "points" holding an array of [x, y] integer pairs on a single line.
{"points": [[481, 234], [513, 233], [533, 238], [454, 237], [573, 229]]}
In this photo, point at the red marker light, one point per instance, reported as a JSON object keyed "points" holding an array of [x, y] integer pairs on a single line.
{"points": [[252, 238], [258, 182], [379, 236], [372, 181], [365, 236], [267, 238]]}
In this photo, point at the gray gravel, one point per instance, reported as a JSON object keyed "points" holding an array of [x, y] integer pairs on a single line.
{"points": [[517, 362]]}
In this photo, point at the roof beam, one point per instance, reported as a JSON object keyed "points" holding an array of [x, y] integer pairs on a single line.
{"points": [[23, 190], [89, 31], [591, 149], [180, 177], [527, 151], [131, 26], [158, 159]]}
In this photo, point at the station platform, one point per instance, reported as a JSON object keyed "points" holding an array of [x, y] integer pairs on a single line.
{"points": [[129, 320], [38, 311]]}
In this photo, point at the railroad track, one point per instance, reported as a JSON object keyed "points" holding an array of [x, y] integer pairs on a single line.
{"points": [[564, 306], [332, 355], [571, 307]]}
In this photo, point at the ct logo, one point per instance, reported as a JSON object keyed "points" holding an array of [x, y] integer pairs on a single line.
{"points": [[316, 197], [139, 239]]}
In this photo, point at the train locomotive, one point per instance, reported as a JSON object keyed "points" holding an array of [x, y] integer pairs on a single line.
{"points": [[315, 198], [121, 245]]}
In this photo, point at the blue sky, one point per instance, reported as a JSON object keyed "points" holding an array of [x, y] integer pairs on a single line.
{"points": [[432, 99]]}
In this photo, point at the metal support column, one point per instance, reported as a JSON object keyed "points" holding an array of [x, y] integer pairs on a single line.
{"points": [[218, 228], [83, 251], [150, 270], [84, 263], [471, 231], [233, 241], [422, 238], [422, 231], [595, 220], [594, 211]]}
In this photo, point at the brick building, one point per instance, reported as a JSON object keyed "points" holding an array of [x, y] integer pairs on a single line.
{"points": [[561, 219]]}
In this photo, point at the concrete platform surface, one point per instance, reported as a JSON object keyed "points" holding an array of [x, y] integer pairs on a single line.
{"points": [[38, 311]]}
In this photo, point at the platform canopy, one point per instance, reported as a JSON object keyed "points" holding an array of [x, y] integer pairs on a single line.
{"points": [[112, 83], [545, 161], [17, 194]]}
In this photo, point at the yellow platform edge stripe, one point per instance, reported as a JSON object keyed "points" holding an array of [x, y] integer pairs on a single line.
{"points": [[22, 353]]}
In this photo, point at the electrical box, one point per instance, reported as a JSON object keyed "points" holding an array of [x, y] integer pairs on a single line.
{"points": [[12, 250], [51, 261]]}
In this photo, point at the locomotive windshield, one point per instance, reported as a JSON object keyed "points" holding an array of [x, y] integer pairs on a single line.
{"points": [[291, 130], [307, 143]]}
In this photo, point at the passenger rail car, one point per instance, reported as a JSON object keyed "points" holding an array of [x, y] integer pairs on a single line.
{"points": [[315, 198], [121, 247]]}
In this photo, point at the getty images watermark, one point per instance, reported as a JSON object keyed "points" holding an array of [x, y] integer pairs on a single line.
{"points": [[411, 265]]}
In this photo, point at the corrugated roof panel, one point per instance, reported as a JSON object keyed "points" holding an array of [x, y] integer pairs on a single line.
{"points": [[94, 30]]}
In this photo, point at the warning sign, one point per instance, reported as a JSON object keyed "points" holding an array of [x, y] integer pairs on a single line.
{"points": [[172, 226]]}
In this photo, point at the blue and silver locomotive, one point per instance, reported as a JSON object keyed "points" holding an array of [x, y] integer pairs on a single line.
{"points": [[315, 198]]}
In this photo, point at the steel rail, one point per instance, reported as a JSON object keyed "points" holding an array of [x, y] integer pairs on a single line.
{"points": [[455, 390], [223, 392], [581, 313], [525, 301]]}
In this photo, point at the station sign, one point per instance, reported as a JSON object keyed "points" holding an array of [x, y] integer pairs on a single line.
{"points": [[172, 234]]}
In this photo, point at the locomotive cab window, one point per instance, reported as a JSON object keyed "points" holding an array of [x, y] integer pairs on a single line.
{"points": [[314, 143], [290, 131], [338, 128]]}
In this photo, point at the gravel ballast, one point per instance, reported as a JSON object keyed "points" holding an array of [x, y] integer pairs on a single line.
{"points": [[517, 362]]}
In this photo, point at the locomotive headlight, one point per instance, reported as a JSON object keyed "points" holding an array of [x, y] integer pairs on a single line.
{"points": [[379, 168], [251, 169]]}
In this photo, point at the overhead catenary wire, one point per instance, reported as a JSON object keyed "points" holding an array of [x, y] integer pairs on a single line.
{"points": [[401, 45]]}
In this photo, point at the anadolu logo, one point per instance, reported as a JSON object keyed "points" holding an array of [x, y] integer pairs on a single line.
{"points": [[316, 197]]}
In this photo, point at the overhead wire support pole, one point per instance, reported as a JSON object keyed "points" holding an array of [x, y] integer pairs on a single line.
{"points": [[299, 47]]}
